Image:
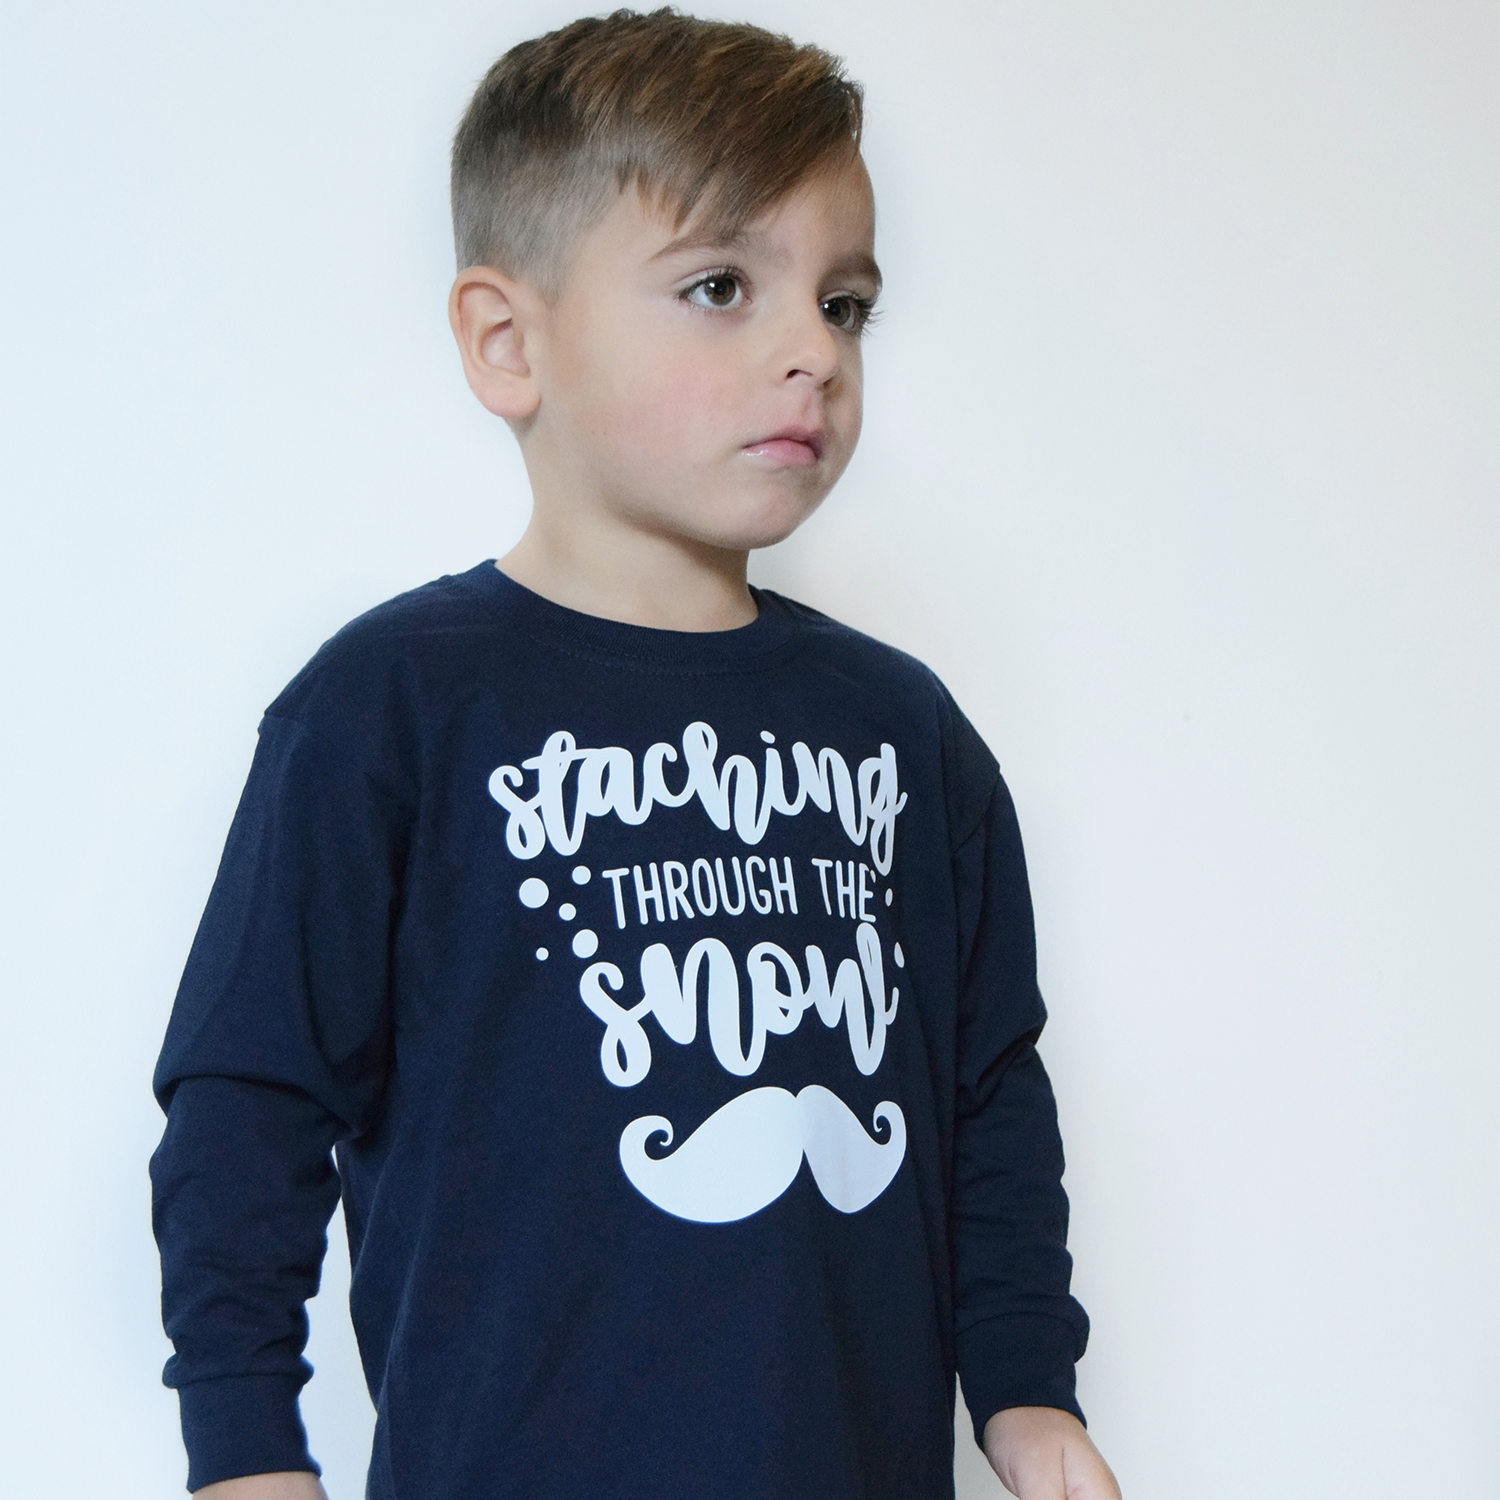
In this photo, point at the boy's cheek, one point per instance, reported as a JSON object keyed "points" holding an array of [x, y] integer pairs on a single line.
{"points": [[681, 410], [849, 411]]}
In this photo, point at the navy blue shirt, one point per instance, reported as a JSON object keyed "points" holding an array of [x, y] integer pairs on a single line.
{"points": [[662, 1005]]}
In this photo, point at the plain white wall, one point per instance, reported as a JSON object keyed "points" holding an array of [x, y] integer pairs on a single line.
{"points": [[1179, 466]]}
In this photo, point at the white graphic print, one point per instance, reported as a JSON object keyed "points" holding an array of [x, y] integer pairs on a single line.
{"points": [[747, 1153], [606, 784], [625, 1052]]}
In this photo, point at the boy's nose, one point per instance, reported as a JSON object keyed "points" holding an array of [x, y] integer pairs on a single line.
{"points": [[809, 348]]}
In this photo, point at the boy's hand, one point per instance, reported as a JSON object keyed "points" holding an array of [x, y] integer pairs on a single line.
{"points": [[1041, 1453], [296, 1484]]}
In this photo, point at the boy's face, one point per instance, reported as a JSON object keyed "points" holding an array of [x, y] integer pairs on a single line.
{"points": [[706, 390]]}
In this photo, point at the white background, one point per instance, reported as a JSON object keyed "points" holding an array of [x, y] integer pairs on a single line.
{"points": [[1179, 467]]}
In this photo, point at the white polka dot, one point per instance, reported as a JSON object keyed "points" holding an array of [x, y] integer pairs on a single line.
{"points": [[890, 895], [768, 737], [533, 891], [900, 957], [541, 953], [585, 943], [581, 874], [567, 911]]}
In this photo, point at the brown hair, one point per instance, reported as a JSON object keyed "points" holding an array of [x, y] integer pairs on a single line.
{"points": [[724, 118]]}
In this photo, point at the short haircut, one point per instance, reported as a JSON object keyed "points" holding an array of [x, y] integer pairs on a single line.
{"points": [[721, 118]]}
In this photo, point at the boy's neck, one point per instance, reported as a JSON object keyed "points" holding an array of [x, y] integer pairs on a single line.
{"points": [[639, 578]]}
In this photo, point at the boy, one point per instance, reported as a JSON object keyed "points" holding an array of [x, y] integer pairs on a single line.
{"points": [[503, 833]]}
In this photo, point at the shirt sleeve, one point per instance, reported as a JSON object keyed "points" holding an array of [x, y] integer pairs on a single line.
{"points": [[1019, 1331], [276, 1049]]}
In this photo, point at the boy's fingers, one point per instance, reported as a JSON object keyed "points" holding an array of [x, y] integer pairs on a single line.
{"points": [[1036, 1482], [1086, 1475], [1043, 1454], [1105, 1489], [1037, 1475]]}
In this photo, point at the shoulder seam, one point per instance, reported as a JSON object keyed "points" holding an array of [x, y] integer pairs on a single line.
{"points": [[343, 754], [984, 809]]}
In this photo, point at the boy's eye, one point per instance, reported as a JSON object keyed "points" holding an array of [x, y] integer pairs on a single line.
{"points": [[848, 313], [720, 290]]}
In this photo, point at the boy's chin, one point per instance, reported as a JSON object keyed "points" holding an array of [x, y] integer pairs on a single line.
{"points": [[729, 518], [744, 526]]}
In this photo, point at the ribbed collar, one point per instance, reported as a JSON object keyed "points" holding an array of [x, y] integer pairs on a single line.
{"points": [[773, 629]]}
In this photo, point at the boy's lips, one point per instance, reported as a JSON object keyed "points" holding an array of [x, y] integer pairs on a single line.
{"points": [[790, 445]]}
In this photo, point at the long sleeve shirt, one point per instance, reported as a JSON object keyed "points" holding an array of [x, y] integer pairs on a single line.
{"points": [[663, 1007]]}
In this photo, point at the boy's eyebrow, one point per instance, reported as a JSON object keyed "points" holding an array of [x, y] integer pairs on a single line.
{"points": [[856, 262]]}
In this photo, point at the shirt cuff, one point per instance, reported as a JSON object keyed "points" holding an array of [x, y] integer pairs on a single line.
{"points": [[242, 1424], [1017, 1359]]}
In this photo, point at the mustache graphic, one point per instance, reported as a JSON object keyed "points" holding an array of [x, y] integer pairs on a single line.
{"points": [[745, 1155]]}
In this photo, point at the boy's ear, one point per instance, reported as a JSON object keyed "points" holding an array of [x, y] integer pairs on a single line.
{"points": [[488, 313]]}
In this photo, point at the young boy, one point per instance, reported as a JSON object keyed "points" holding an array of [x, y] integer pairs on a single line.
{"points": [[653, 954]]}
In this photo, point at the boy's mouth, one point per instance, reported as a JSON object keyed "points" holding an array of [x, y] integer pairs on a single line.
{"points": [[792, 445]]}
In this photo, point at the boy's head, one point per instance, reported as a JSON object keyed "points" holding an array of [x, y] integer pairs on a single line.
{"points": [[665, 241]]}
